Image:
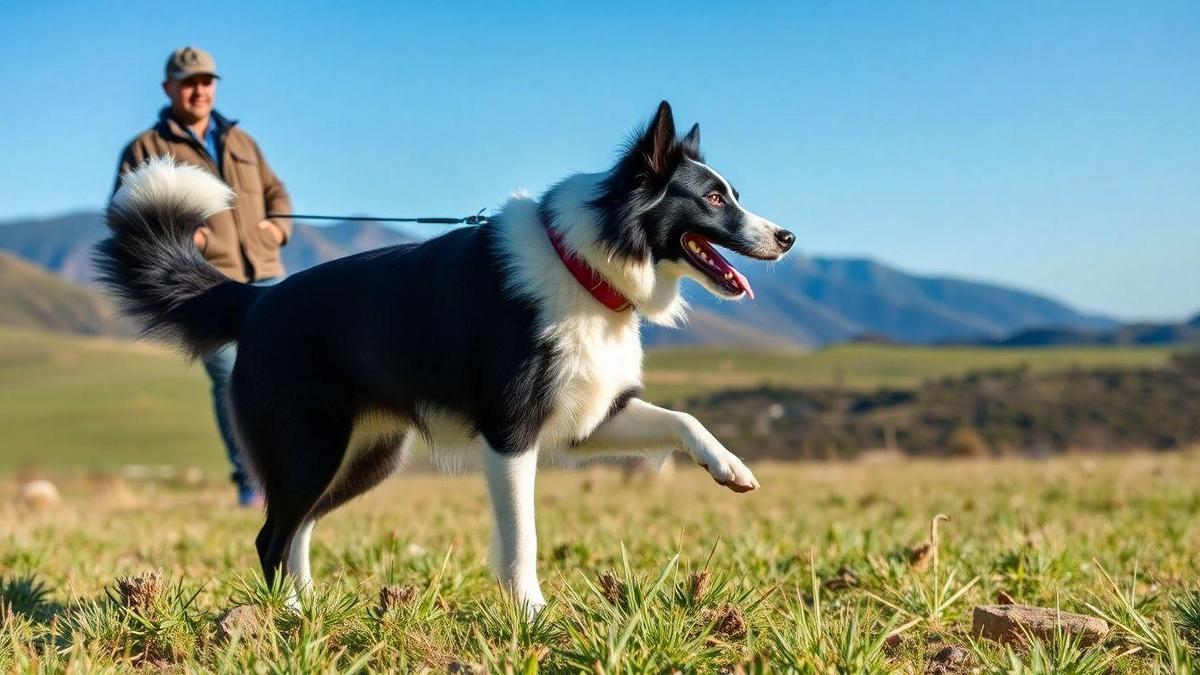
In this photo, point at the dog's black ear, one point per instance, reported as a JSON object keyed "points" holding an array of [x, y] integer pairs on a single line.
{"points": [[691, 143], [658, 145]]}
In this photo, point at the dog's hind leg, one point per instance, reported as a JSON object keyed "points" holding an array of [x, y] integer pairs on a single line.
{"points": [[361, 470], [296, 451], [511, 479], [365, 466], [298, 566]]}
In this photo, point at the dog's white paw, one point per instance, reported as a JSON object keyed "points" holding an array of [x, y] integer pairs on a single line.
{"points": [[533, 609], [532, 605], [731, 472]]}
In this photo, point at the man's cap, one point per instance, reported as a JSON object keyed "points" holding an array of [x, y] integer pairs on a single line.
{"points": [[188, 61]]}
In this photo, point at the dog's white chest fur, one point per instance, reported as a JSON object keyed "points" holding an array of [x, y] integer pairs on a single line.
{"points": [[599, 358], [598, 352]]}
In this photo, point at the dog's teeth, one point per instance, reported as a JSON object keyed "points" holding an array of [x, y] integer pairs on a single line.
{"points": [[729, 276], [694, 246]]}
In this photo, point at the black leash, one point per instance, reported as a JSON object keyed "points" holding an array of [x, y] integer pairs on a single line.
{"points": [[477, 219]]}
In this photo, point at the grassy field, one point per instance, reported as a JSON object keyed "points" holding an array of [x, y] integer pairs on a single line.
{"points": [[680, 372], [69, 402], [811, 574]]}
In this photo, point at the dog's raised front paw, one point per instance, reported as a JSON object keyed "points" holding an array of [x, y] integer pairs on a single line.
{"points": [[732, 473]]}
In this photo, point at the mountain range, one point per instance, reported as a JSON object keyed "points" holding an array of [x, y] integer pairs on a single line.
{"points": [[33, 297], [801, 301], [1185, 332]]}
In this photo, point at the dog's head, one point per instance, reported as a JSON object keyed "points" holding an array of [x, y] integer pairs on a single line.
{"points": [[663, 202]]}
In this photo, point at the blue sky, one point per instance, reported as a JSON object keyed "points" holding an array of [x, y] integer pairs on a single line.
{"points": [[1049, 146]]}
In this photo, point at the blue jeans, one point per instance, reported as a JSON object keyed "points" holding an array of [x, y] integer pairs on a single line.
{"points": [[219, 367]]}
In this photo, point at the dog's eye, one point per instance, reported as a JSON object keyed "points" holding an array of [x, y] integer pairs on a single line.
{"points": [[715, 199]]}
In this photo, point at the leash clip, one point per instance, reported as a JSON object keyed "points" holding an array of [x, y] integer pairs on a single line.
{"points": [[477, 219]]}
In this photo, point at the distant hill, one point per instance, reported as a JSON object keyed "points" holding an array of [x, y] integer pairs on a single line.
{"points": [[32, 297], [64, 244], [802, 301], [1185, 333], [314, 244], [816, 301]]}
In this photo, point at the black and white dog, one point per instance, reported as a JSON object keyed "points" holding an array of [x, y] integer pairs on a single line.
{"points": [[516, 340]]}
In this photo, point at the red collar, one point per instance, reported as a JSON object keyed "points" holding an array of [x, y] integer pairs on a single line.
{"points": [[590, 279]]}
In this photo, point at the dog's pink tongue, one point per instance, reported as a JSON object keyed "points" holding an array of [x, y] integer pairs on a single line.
{"points": [[742, 281]]}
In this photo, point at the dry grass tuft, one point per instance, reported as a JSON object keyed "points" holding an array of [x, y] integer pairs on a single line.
{"points": [[698, 586], [612, 588], [141, 592], [727, 621], [396, 596]]}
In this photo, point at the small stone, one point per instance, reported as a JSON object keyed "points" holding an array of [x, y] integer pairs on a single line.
{"points": [[1008, 624], [892, 643], [141, 591], [1003, 598], [40, 495], [465, 668], [241, 620], [950, 660], [396, 596]]}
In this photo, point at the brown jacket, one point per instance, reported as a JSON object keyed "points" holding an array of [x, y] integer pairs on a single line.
{"points": [[237, 246]]}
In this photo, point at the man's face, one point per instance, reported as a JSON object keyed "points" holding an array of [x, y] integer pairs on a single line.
{"points": [[192, 99]]}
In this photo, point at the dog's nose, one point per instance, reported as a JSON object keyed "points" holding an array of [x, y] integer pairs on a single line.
{"points": [[785, 239]]}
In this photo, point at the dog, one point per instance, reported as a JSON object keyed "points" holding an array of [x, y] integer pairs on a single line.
{"points": [[516, 340]]}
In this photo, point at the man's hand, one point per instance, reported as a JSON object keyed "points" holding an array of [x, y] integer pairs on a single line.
{"points": [[200, 238], [272, 230]]}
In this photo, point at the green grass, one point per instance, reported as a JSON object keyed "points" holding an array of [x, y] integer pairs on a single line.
{"points": [[69, 402], [1115, 537], [809, 575]]}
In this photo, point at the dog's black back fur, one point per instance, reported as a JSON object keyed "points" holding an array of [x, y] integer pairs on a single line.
{"points": [[325, 347], [481, 350]]}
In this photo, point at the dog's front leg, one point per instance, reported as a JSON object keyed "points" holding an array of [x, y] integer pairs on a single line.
{"points": [[511, 478], [642, 427]]}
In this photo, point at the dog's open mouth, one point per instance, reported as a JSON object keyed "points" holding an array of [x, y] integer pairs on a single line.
{"points": [[704, 257]]}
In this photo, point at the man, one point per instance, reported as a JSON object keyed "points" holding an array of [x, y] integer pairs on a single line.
{"points": [[241, 242]]}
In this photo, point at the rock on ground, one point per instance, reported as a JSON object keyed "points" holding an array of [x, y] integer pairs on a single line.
{"points": [[950, 660], [241, 620], [1010, 623], [40, 495]]}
